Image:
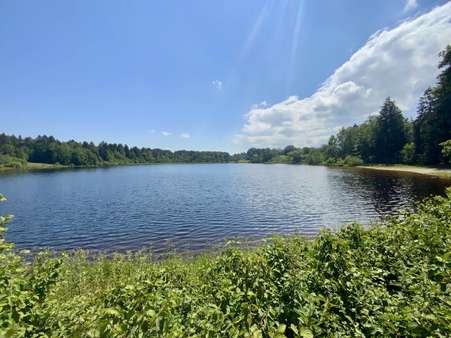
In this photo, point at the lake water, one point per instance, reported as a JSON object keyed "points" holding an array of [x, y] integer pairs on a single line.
{"points": [[196, 206]]}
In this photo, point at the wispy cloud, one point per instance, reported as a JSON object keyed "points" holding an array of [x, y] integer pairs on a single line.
{"points": [[217, 84], [185, 135], [400, 62], [262, 104], [410, 5], [168, 133]]}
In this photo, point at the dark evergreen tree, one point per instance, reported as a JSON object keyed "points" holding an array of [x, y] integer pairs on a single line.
{"points": [[433, 123], [391, 135], [424, 126], [442, 93]]}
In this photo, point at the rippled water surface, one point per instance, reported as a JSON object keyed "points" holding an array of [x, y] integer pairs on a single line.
{"points": [[196, 206]]}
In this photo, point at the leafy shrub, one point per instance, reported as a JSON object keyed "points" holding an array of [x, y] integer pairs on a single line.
{"points": [[281, 159], [408, 153], [11, 162], [390, 280], [446, 150], [352, 161], [330, 161]]}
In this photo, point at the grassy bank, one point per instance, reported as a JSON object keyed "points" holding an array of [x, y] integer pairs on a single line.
{"points": [[30, 166], [391, 280], [41, 166], [431, 171], [10, 163]]}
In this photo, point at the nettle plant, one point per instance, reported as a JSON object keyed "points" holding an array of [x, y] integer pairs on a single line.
{"points": [[4, 246], [13, 300], [23, 288]]}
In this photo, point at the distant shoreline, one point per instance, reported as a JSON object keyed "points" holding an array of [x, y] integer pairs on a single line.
{"points": [[429, 171], [32, 166], [414, 169]]}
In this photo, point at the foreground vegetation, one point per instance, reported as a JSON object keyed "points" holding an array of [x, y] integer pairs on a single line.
{"points": [[393, 279]]}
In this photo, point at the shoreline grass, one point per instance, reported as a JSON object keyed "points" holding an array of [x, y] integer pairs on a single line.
{"points": [[29, 166]]}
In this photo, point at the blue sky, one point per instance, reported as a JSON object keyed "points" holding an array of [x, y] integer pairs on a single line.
{"points": [[205, 74]]}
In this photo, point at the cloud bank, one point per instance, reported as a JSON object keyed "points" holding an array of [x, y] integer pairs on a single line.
{"points": [[400, 62]]}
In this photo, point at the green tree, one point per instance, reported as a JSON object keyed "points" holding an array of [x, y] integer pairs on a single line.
{"points": [[408, 153], [425, 126], [297, 156], [288, 149], [390, 135], [446, 150], [433, 123], [332, 150]]}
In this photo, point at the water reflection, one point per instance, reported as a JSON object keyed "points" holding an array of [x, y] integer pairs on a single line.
{"points": [[193, 207]]}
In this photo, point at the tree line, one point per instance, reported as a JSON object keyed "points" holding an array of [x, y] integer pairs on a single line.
{"points": [[47, 149], [386, 138]]}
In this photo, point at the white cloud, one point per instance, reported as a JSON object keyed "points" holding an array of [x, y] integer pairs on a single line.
{"points": [[217, 84], [410, 5], [400, 62], [185, 135], [166, 133]]}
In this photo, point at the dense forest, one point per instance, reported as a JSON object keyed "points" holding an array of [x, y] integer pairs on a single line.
{"points": [[386, 138], [46, 149]]}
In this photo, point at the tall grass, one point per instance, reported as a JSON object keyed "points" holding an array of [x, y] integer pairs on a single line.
{"points": [[391, 280]]}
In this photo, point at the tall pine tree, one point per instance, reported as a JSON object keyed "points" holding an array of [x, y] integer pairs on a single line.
{"points": [[424, 125], [391, 134], [433, 124], [443, 95]]}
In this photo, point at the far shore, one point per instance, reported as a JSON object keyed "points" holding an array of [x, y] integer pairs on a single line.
{"points": [[442, 172], [33, 166], [430, 171]]}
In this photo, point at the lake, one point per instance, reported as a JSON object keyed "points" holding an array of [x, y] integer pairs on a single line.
{"points": [[197, 206]]}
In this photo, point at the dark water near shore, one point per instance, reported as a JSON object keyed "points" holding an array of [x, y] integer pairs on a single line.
{"points": [[197, 206]]}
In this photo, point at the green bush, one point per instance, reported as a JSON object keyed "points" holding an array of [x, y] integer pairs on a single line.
{"points": [[408, 153], [11, 162], [352, 161], [330, 162], [393, 279], [446, 150], [281, 159]]}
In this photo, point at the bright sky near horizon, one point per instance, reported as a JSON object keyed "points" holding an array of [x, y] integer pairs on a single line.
{"points": [[212, 75]]}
